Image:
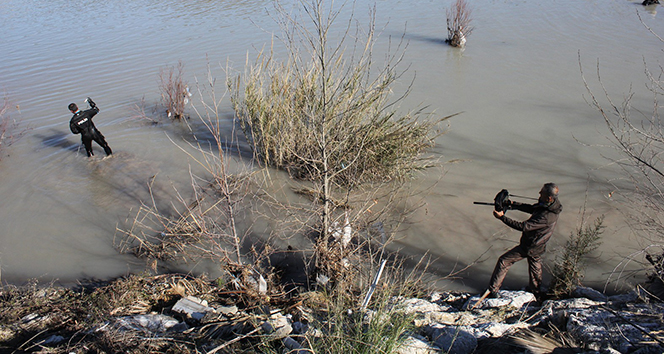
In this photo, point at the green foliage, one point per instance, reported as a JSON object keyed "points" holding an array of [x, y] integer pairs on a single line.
{"points": [[380, 330], [327, 116], [570, 265]]}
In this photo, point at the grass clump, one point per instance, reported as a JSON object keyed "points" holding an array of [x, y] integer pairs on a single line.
{"points": [[570, 265]]}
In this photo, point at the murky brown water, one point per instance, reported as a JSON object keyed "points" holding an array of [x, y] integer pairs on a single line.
{"points": [[518, 82]]}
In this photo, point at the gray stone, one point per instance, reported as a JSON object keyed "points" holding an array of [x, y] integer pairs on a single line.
{"points": [[452, 339], [228, 311], [589, 293], [576, 303], [277, 326], [631, 296], [495, 329], [426, 312], [516, 299], [415, 344], [54, 339]]}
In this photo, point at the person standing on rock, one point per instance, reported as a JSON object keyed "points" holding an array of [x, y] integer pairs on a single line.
{"points": [[536, 231], [81, 123]]}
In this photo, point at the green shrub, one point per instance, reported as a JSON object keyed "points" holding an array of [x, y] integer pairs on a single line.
{"points": [[570, 265]]}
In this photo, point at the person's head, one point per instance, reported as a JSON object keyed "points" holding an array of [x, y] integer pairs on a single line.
{"points": [[73, 107], [548, 193]]}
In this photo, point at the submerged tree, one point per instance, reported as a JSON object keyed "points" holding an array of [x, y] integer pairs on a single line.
{"points": [[10, 130], [324, 113]]}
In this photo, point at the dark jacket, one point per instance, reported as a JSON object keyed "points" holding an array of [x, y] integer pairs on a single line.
{"points": [[537, 230], [81, 122]]}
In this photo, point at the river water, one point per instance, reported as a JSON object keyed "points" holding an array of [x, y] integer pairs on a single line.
{"points": [[518, 82]]}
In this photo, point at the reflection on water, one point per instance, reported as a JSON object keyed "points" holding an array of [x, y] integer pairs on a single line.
{"points": [[525, 121]]}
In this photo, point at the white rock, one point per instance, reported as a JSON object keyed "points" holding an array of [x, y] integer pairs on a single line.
{"points": [[415, 344], [517, 299]]}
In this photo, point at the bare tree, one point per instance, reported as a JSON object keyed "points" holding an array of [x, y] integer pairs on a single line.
{"points": [[638, 137]]}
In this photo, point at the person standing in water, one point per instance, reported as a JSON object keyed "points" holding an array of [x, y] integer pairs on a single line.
{"points": [[81, 123]]}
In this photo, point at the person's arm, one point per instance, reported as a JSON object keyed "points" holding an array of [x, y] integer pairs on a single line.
{"points": [[526, 208], [516, 225], [93, 107]]}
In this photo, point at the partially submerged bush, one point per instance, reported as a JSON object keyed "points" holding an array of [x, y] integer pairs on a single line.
{"points": [[10, 131], [458, 23], [325, 113], [570, 265], [174, 90]]}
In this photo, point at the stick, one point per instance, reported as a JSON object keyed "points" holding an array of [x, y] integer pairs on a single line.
{"points": [[367, 298], [484, 296], [233, 341]]}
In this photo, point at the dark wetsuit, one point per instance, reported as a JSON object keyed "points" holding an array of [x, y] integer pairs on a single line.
{"points": [[536, 231], [81, 123]]}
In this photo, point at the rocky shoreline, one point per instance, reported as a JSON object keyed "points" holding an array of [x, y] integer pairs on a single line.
{"points": [[181, 314]]}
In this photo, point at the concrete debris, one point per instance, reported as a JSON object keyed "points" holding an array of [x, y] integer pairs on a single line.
{"points": [[193, 307]]}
